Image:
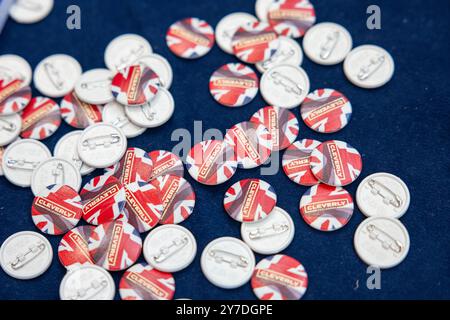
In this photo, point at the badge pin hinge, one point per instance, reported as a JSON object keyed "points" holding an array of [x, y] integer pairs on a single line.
{"points": [[24, 258], [273, 230], [289, 85], [96, 286], [387, 241], [328, 47], [148, 112], [101, 141], [58, 174], [378, 188], [279, 57], [21, 164], [7, 125], [54, 75], [167, 251], [368, 70], [232, 259], [96, 84]]}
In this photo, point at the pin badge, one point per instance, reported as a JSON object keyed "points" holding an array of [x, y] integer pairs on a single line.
{"points": [[10, 127], [262, 9], [296, 162], [211, 162], [279, 277], [13, 67], [190, 38], [288, 52], [135, 166], [73, 249], [336, 163], [143, 282], [250, 200], [40, 119], [30, 11], [326, 110], [94, 86], [165, 162], [291, 17], [25, 255], [114, 113], [170, 248], [14, 96], [383, 194], [382, 242], [228, 26], [103, 199], [79, 114], [160, 66], [115, 245]]}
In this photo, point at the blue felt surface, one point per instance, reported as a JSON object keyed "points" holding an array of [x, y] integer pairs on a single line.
{"points": [[402, 128]]}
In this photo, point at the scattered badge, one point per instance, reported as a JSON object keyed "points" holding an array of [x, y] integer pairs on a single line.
{"points": [[135, 166], [291, 17], [73, 249], [165, 162], [296, 162], [14, 97], [79, 114], [40, 119]]}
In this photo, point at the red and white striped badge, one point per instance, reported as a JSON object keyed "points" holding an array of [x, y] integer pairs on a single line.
{"points": [[73, 249], [296, 163], [79, 114], [13, 96], [165, 162], [135, 166], [291, 18], [40, 119]]}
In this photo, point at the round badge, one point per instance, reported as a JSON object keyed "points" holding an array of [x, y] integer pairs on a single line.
{"points": [[190, 38], [249, 200], [30, 12], [114, 113], [252, 143], [178, 198], [165, 162], [135, 166], [103, 199], [228, 25], [270, 235], [291, 17], [211, 162], [73, 249], [279, 277], [336, 163], [135, 85], [40, 119], [10, 127], [326, 110], [79, 114], [382, 242], [94, 86], [288, 52], [383, 194], [255, 42], [144, 207], [26, 255], [296, 162], [234, 85], [115, 245], [13, 67], [227, 262], [161, 66], [143, 282], [326, 208], [14, 97], [282, 124], [170, 248], [262, 9]]}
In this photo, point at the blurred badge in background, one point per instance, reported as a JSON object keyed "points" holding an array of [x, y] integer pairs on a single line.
{"points": [[4, 12]]}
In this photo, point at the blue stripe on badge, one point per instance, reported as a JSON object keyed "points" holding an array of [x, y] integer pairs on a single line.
{"points": [[4, 12]]}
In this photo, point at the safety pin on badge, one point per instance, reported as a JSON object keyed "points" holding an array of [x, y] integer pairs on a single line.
{"points": [[368, 70], [167, 251], [54, 75], [274, 230], [7, 125], [132, 55], [58, 174], [327, 48], [390, 197], [23, 259], [96, 84], [387, 241], [29, 5], [96, 286], [279, 57], [101, 141], [232, 259], [289, 85], [21, 164]]}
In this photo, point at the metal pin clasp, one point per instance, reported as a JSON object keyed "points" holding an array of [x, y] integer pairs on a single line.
{"points": [[23, 259], [148, 111], [232, 259], [279, 57], [58, 174], [326, 49], [375, 63], [8, 75], [21, 164], [387, 241], [101, 141], [7, 125], [94, 288], [167, 251], [289, 85], [132, 55], [389, 196], [54, 75], [29, 5], [96, 84], [274, 230], [121, 122]]}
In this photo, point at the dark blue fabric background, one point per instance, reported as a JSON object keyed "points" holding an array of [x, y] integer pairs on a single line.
{"points": [[402, 128]]}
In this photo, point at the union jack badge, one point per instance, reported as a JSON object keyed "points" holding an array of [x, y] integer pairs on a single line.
{"points": [[279, 277], [211, 162], [135, 166], [79, 114], [115, 245], [296, 162], [282, 124], [56, 210], [234, 85], [255, 42], [13, 96], [190, 38], [40, 119], [326, 208], [143, 282], [326, 110], [103, 199], [165, 162], [336, 163], [250, 200], [291, 18], [73, 248]]}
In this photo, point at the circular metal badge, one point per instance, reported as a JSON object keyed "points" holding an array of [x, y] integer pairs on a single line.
{"points": [[14, 97], [291, 17], [262, 9], [161, 66], [40, 119], [79, 114], [10, 127], [28, 12], [228, 26], [296, 162], [288, 52], [270, 235], [13, 67], [165, 162], [135, 166], [114, 113], [94, 86], [383, 194], [73, 249], [170, 248]]}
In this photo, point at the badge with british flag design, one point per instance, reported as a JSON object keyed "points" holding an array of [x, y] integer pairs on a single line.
{"points": [[211, 162], [252, 143], [79, 114], [326, 208], [143, 282], [255, 42], [296, 162], [279, 277], [135, 85], [336, 163], [115, 245], [190, 38], [234, 85], [282, 124], [143, 206], [165, 162], [40, 119], [57, 209], [291, 18], [13, 96], [250, 200], [103, 199], [135, 166], [326, 110], [178, 198], [73, 249]]}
